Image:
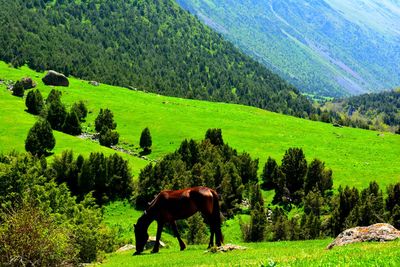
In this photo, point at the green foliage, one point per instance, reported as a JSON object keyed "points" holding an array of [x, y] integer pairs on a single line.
{"points": [[46, 223], [197, 230], [72, 124], [105, 119], [108, 137], [80, 109], [269, 174], [294, 166], [145, 140], [318, 177], [34, 102], [29, 237], [215, 136], [255, 231], [18, 89], [56, 113], [40, 139], [53, 96]]}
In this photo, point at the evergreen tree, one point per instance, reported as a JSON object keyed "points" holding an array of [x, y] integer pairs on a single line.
{"points": [[313, 202], [108, 137], [215, 137], [80, 109], [18, 89], [231, 190], [247, 168], [40, 139], [72, 124], [105, 119], [268, 180], [197, 230], [145, 140], [34, 102], [54, 95], [294, 166], [56, 114], [393, 198], [258, 218], [318, 177]]}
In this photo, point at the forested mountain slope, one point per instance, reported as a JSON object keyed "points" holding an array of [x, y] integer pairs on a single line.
{"points": [[152, 45], [324, 47]]}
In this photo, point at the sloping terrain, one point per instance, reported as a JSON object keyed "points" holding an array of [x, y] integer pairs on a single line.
{"points": [[325, 48], [149, 45], [355, 156]]}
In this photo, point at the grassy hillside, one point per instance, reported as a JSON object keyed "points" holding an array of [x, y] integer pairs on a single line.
{"points": [[356, 156], [151, 45]]}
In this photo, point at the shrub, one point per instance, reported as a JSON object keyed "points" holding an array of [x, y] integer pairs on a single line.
{"points": [[72, 124], [105, 119], [108, 137], [80, 110], [145, 140], [34, 102], [29, 237], [40, 139]]}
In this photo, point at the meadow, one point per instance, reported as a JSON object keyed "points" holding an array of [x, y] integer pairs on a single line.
{"points": [[356, 156]]}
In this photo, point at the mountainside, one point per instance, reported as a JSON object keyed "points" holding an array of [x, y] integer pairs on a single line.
{"points": [[150, 45], [324, 47], [355, 156]]}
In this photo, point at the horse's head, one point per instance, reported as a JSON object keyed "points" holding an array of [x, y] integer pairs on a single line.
{"points": [[141, 236]]}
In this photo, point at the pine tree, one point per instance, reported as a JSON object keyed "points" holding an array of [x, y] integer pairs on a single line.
{"points": [[56, 114], [215, 137], [105, 119], [108, 137], [267, 177], [40, 139], [34, 102], [317, 177], [72, 124], [54, 95], [197, 230], [145, 140], [258, 218], [80, 110], [294, 166]]}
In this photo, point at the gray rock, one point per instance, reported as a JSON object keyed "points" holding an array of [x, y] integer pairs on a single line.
{"points": [[152, 241], [127, 247], [94, 83], [55, 78], [28, 83], [381, 232], [226, 248]]}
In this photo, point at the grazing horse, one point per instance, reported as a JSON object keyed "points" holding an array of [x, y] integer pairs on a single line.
{"points": [[169, 206]]}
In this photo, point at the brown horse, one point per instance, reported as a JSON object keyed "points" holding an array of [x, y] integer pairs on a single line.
{"points": [[169, 206]]}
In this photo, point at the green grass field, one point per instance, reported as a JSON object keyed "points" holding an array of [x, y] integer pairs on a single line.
{"points": [[299, 253], [355, 156]]}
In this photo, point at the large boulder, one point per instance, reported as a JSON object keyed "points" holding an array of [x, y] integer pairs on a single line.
{"points": [[55, 78], [28, 83], [380, 232]]}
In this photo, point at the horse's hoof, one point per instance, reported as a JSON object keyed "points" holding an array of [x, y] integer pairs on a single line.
{"points": [[154, 251], [136, 253]]}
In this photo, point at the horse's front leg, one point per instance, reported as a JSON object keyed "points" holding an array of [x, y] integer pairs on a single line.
{"points": [[176, 233], [211, 244], [156, 247]]}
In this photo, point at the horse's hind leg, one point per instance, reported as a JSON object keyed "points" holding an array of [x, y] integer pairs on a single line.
{"points": [[211, 244], [177, 235]]}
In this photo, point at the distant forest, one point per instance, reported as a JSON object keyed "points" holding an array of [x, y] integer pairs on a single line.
{"points": [[149, 45], [377, 111]]}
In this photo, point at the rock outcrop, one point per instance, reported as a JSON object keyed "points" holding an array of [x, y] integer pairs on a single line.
{"points": [[55, 78], [28, 83], [380, 232]]}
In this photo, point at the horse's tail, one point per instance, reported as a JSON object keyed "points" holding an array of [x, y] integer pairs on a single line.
{"points": [[217, 217]]}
